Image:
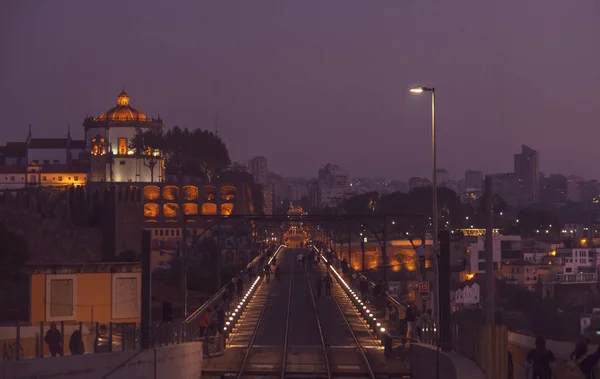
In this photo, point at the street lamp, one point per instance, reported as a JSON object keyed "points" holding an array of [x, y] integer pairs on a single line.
{"points": [[434, 232]]}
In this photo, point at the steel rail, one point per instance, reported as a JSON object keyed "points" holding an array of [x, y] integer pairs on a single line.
{"points": [[360, 348], [312, 297], [260, 316], [287, 327]]}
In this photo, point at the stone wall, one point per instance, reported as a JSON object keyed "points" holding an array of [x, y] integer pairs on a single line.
{"points": [[42, 217], [175, 361]]}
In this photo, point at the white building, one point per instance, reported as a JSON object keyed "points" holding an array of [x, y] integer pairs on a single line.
{"points": [[108, 142], [505, 249], [259, 168], [334, 185], [466, 297]]}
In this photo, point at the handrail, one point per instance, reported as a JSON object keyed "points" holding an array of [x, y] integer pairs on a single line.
{"points": [[219, 293], [255, 331], [371, 284], [361, 349]]}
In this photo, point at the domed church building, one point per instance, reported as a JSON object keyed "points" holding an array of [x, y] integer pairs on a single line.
{"points": [[108, 139]]}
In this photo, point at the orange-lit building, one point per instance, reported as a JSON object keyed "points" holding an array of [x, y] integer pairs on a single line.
{"points": [[108, 140], [35, 175], [86, 292]]}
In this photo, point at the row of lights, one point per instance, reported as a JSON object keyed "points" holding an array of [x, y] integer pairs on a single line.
{"points": [[239, 309], [358, 303]]}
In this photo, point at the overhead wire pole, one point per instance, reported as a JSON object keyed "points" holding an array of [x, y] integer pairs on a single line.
{"points": [[489, 250]]}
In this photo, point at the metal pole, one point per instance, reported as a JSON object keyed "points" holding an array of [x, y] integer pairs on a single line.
{"points": [[146, 292], [434, 216], [489, 250], [384, 251], [184, 266]]}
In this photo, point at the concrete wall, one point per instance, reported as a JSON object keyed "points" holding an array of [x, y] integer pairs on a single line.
{"points": [[424, 364], [176, 361]]}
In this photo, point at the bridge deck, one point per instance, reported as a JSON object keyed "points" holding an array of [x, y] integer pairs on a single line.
{"points": [[305, 355]]}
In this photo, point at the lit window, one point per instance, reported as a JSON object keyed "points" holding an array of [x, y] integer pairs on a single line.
{"points": [[122, 146], [76, 178], [60, 178], [44, 178]]}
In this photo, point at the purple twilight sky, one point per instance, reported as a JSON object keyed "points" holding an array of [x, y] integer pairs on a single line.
{"points": [[309, 82]]}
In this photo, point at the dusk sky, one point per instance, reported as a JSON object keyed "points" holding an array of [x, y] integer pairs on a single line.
{"points": [[309, 82]]}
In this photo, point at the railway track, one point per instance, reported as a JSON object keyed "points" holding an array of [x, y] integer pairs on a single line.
{"points": [[251, 344]]}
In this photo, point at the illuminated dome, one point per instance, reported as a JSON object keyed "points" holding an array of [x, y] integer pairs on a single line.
{"points": [[123, 111]]}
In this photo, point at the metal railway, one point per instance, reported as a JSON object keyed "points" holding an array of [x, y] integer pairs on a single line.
{"points": [[359, 347], [284, 371], [243, 368]]}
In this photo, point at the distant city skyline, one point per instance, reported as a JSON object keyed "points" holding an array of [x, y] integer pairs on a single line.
{"points": [[305, 83]]}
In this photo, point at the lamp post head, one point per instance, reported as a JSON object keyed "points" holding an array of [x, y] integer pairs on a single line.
{"points": [[421, 89]]}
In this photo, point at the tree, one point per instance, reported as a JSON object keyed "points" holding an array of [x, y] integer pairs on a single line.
{"points": [[148, 144], [199, 154], [536, 221], [13, 254]]}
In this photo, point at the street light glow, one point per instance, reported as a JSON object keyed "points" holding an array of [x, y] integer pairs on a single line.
{"points": [[416, 89]]}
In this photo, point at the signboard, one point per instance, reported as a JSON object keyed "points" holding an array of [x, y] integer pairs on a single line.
{"points": [[424, 290], [394, 290]]}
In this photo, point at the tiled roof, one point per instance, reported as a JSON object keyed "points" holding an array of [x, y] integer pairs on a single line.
{"points": [[50, 169], [15, 149], [77, 144], [48, 143], [13, 169]]}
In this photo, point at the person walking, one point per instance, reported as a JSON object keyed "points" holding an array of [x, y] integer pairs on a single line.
{"points": [[277, 274], [424, 324], [582, 363], [539, 360], [53, 339], [363, 287], [409, 317], [318, 285], [267, 271], [204, 323], [300, 257], [76, 346], [239, 288], [220, 318], [328, 284]]}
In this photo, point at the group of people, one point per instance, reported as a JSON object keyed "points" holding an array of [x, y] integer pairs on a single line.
{"points": [[540, 361], [213, 321], [418, 323], [54, 340], [307, 261], [321, 282]]}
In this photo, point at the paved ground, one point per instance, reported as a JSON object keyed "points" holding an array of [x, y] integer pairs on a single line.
{"points": [[305, 356]]}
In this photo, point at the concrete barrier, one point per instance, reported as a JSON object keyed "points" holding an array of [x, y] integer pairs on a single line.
{"points": [[424, 364], [175, 361]]}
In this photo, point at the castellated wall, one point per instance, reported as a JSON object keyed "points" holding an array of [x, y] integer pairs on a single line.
{"points": [[76, 224], [43, 217]]}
